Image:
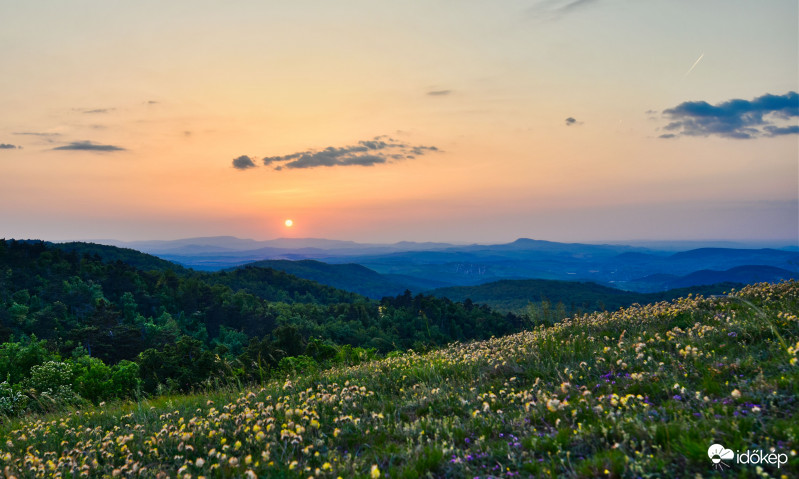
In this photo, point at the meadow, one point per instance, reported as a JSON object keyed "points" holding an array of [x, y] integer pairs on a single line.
{"points": [[640, 392]]}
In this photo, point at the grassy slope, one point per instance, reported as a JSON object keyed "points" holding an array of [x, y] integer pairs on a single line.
{"points": [[638, 393]]}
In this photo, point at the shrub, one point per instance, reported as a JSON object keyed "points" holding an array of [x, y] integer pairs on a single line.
{"points": [[11, 402]]}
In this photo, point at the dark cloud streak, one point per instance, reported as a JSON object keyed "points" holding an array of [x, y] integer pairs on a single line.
{"points": [[741, 119], [377, 151], [7, 146], [88, 146]]}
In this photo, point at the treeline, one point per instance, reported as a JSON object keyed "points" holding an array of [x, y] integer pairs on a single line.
{"points": [[553, 300], [77, 326]]}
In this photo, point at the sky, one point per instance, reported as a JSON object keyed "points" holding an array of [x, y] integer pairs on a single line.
{"points": [[376, 121]]}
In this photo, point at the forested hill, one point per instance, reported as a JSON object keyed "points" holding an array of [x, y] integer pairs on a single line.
{"points": [[349, 277], [181, 327], [574, 297], [274, 285], [110, 254]]}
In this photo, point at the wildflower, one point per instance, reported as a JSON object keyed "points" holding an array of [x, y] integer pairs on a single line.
{"points": [[375, 472], [735, 393]]}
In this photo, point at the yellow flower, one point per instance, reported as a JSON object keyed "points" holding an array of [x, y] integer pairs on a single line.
{"points": [[375, 473]]}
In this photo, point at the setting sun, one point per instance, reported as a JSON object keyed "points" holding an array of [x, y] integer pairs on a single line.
{"points": [[289, 223]]}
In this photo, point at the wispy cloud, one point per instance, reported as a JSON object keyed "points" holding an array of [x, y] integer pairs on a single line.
{"points": [[89, 146], [555, 9], [36, 133], [48, 137], [243, 162], [98, 110], [572, 121], [439, 92], [744, 119], [7, 146], [379, 150]]}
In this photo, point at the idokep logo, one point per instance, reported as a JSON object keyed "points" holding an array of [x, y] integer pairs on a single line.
{"points": [[718, 454]]}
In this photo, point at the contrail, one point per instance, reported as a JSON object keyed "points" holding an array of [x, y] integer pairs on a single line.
{"points": [[695, 64]]}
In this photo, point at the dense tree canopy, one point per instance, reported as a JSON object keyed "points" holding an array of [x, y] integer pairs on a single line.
{"points": [[79, 325]]}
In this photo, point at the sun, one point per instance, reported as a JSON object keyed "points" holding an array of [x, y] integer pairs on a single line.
{"points": [[288, 223]]}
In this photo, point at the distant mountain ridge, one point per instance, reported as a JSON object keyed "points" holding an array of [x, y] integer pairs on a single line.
{"points": [[215, 244], [747, 274], [422, 266]]}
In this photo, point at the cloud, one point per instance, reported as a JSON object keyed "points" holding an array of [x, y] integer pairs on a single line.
{"points": [[43, 137], [555, 9], [439, 92], [570, 121], [36, 133], [243, 162], [781, 130], [571, 5], [735, 118], [6, 146], [379, 150], [89, 146], [99, 110]]}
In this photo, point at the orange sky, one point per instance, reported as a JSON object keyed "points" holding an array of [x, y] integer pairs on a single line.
{"points": [[154, 101]]}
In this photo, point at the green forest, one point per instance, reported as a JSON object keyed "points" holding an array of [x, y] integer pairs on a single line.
{"points": [[81, 322]]}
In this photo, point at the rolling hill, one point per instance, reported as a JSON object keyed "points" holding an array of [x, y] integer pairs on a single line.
{"points": [[515, 295], [643, 392], [349, 277]]}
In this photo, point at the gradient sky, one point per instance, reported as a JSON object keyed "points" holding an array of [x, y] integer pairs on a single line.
{"points": [[459, 120]]}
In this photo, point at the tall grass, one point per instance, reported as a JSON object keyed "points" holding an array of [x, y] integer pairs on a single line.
{"points": [[642, 392]]}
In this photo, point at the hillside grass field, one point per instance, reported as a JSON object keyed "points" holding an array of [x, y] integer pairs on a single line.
{"points": [[641, 392]]}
